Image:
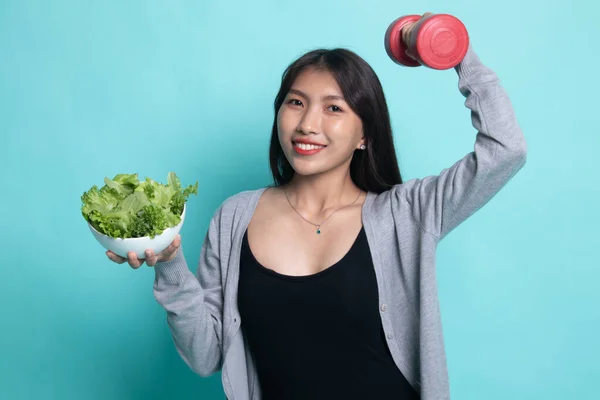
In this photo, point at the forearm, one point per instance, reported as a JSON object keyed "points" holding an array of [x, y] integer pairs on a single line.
{"points": [[192, 326]]}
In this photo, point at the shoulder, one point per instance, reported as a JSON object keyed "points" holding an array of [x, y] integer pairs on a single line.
{"points": [[398, 203], [242, 199], [238, 203], [399, 193]]}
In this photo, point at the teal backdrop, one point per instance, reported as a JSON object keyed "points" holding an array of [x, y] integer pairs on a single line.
{"points": [[90, 89]]}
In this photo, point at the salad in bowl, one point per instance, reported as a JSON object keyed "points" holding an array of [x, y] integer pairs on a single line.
{"points": [[127, 214]]}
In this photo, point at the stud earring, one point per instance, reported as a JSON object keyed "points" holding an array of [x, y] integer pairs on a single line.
{"points": [[362, 147]]}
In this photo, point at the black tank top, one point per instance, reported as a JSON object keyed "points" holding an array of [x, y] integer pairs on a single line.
{"points": [[318, 336]]}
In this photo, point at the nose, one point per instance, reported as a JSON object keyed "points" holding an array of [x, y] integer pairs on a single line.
{"points": [[310, 121]]}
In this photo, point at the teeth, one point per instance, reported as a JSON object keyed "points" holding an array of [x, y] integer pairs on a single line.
{"points": [[308, 146]]}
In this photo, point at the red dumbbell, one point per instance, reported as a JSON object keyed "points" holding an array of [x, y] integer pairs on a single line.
{"points": [[439, 41]]}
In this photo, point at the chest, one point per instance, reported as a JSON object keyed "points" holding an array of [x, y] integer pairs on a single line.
{"points": [[342, 296], [290, 246]]}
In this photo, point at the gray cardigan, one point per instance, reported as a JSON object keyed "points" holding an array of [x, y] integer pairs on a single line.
{"points": [[403, 227]]}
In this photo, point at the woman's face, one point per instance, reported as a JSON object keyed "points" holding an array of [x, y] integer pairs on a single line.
{"points": [[317, 129]]}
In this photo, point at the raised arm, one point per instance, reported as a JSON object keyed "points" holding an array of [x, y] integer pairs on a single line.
{"points": [[194, 304], [440, 203]]}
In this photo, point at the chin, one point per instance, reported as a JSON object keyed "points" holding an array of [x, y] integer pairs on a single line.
{"points": [[310, 168], [305, 169]]}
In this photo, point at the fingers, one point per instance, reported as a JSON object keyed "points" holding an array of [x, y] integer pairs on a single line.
{"points": [[169, 251], [134, 262], [165, 255], [132, 259], [113, 257], [404, 34], [407, 31], [151, 258]]}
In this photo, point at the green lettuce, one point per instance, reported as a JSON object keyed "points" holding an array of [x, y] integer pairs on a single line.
{"points": [[126, 207]]}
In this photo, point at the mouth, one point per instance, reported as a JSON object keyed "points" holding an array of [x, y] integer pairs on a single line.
{"points": [[307, 149]]}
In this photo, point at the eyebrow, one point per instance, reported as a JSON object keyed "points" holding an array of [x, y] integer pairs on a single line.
{"points": [[326, 97]]}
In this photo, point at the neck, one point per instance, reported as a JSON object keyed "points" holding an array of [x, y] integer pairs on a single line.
{"points": [[316, 194]]}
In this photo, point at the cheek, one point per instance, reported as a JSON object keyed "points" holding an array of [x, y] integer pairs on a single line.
{"points": [[343, 131], [283, 123]]}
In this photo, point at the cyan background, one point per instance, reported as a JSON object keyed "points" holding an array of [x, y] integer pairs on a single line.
{"points": [[90, 89]]}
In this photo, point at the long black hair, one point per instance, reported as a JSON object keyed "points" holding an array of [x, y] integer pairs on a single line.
{"points": [[373, 169]]}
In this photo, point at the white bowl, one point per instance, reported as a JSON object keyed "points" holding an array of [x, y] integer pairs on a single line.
{"points": [[139, 245]]}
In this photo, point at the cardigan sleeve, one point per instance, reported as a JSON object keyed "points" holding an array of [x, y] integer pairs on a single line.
{"points": [[441, 202], [194, 304]]}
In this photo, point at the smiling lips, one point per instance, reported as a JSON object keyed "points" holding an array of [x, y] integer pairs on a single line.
{"points": [[307, 149]]}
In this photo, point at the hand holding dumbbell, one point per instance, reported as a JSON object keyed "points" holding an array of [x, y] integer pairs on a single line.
{"points": [[438, 41]]}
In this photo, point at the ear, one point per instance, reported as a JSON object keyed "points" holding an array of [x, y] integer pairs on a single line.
{"points": [[361, 143]]}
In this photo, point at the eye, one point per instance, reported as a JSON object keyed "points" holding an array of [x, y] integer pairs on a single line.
{"points": [[294, 102], [335, 109]]}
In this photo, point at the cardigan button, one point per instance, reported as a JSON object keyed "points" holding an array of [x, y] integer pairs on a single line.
{"points": [[383, 307], [390, 336]]}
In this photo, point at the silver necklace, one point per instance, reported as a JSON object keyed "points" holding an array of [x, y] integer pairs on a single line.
{"points": [[318, 225]]}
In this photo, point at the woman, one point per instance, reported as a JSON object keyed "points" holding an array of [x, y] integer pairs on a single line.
{"points": [[323, 284]]}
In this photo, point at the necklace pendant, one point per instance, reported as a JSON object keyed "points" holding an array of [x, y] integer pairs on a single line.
{"points": [[318, 229]]}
